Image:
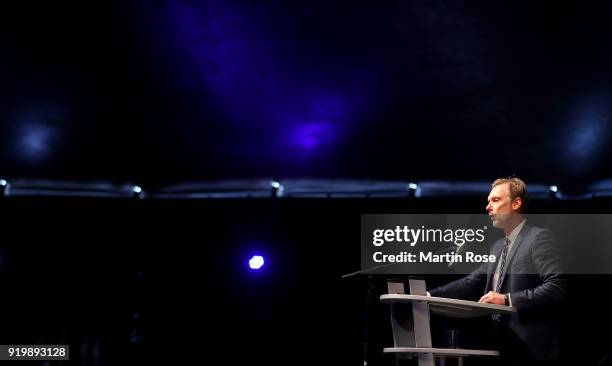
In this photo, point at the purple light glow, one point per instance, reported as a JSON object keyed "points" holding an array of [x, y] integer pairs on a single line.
{"points": [[312, 135], [34, 141], [277, 105]]}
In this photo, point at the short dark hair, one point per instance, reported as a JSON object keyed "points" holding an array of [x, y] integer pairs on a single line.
{"points": [[518, 188]]}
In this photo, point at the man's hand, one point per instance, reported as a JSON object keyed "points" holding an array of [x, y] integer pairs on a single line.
{"points": [[493, 298]]}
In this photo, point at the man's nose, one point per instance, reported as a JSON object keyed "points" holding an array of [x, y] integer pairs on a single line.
{"points": [[489, 208]]}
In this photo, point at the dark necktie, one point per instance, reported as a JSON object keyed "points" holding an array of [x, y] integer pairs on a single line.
{"points": [[504, 254]]}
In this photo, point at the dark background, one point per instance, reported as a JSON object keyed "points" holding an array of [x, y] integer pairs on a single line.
{"points": [[161, 92], [145, 281]]}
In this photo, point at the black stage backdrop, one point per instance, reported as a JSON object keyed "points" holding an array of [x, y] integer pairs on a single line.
{"points": [[141, 281]]}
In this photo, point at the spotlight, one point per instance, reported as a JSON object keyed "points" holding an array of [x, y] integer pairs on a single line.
{"points": [[4, 188], [137, 192], [412, 190], [256, 262], [553, 192], [277, 189]]}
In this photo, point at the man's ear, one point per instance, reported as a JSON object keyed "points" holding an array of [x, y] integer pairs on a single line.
{"points": [[517, 203]]}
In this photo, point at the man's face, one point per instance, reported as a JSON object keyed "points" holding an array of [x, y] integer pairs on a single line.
{"points": [[501, 207]]}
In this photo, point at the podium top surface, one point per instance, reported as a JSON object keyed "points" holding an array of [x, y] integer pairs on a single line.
{"points": [[440, 352], [451, 308]]}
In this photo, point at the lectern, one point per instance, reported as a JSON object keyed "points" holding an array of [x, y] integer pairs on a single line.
{"points": [[410, 321]]}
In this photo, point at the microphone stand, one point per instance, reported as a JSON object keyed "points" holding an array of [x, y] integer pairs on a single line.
{"points": [[368, 303]]}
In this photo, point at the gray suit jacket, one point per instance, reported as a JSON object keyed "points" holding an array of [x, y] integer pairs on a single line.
{"points": [[533, 278]]}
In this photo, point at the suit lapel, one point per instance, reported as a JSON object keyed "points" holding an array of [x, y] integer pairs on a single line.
{"points": [[517, 243]]}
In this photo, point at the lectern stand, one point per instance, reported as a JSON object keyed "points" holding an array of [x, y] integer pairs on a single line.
{"points": [[410, 321]]}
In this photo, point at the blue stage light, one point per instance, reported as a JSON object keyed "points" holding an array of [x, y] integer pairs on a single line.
{"points": [[256, 262]]}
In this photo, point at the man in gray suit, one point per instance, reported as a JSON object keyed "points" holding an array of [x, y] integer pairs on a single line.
{"points": [[526, 275]]}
